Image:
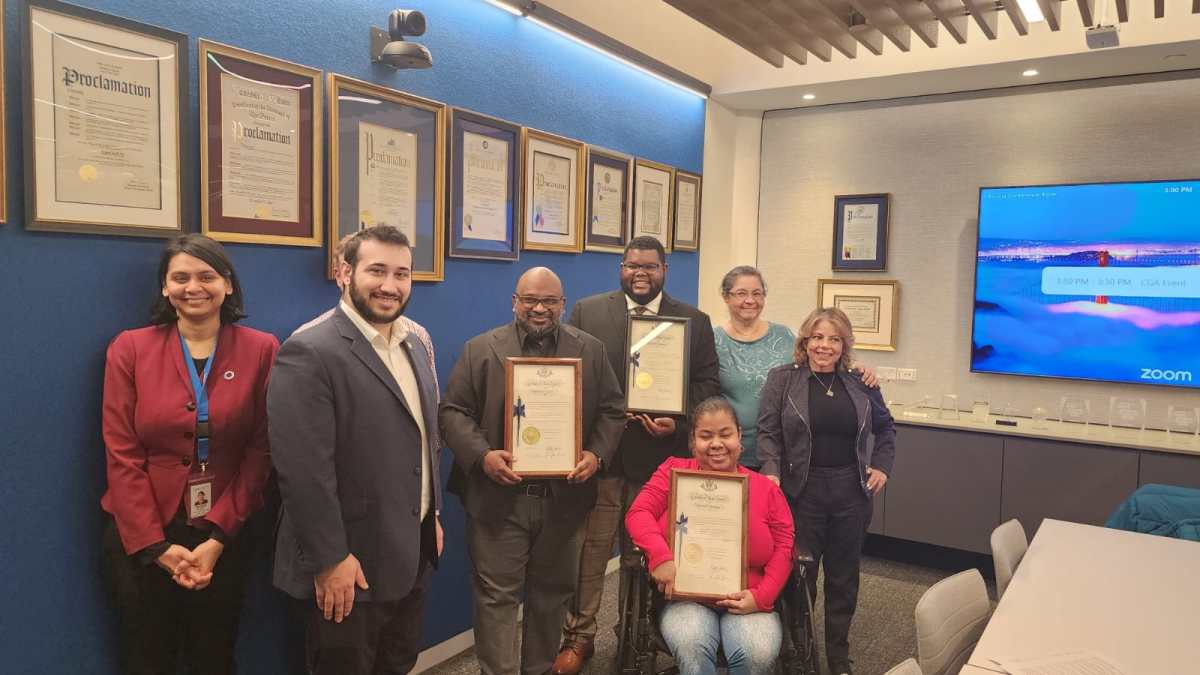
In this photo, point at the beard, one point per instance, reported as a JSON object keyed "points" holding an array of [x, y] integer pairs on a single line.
{"points": [[642, 298], [537, 331], [362, 303]]}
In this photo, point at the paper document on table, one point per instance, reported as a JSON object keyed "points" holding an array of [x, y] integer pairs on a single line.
{"points": [[1071, 663]]}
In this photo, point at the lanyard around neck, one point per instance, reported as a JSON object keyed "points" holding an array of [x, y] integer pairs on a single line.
{"points": [[200, 390]]}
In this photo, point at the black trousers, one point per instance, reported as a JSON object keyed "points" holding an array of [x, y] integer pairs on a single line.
{"points": [[832, 514], [163, 624], [378, 638]]}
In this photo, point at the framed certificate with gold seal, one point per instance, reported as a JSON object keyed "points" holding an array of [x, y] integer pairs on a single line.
{"points": [[543, 403], [260, 140], [708, 533], [106, 118], [387, 154], [656, 365]]}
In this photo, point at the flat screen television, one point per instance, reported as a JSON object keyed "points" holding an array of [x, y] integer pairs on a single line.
{"points": [[1098, 282]]}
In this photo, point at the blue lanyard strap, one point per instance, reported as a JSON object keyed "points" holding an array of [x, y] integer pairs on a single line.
{"points": [[200, 390]]}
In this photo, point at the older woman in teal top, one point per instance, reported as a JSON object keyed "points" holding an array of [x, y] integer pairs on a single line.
{"points": [[748, 347]]}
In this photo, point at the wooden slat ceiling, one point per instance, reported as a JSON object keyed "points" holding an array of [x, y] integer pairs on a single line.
{"points": [[776, 30]]}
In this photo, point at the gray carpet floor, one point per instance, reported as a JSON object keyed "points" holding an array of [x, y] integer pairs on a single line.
{"points": [[882, 635]]}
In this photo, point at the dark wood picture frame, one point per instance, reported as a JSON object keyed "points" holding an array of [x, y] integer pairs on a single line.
{"points": [[174, 178], [673, 522], [510, 364], [685, 362]]}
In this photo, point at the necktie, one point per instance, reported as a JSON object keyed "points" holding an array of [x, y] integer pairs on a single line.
{"points": [[639, 310]]}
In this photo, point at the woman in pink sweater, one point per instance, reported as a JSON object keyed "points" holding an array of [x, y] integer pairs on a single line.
{"points": [[742, 624]]}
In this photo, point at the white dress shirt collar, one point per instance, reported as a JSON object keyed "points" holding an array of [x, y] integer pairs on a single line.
{"points": [[651, 307]]}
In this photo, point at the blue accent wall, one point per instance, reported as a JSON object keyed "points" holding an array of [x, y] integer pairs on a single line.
{"points": [[63, 297]]}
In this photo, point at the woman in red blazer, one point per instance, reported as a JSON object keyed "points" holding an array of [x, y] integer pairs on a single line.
{"points": [[742, 624], [179, 487]]}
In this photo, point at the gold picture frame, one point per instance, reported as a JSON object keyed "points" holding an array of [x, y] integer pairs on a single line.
{"points": [[873, 307], [681, 241], [539, 150], [356, 108], [261, 74], [653, 201], [697, 521]]}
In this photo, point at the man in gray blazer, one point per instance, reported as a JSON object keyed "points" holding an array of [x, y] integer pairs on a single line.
{"points": [[352, 410], [524, 533], [646, 442]]}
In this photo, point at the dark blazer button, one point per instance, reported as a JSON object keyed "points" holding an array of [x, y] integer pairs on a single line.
{"points": [[191, 405], [416, 512], [188, 434], [186, 461], [416, 471]]}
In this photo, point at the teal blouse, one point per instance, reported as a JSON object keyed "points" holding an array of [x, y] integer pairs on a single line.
{"points": [[744, 367]]}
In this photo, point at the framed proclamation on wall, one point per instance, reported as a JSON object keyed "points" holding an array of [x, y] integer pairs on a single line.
{"points": [[652, 193], [106, 103], [387, 167], [609, 190], [871, 305], [260, 148], [484, 156], [860, 232], [552, 202], [687, 211]]}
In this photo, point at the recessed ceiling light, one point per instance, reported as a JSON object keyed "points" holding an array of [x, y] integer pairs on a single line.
{"points": [[1032, 72], [809, 97]]}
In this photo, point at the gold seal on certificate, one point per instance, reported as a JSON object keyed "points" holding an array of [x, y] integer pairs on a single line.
{"points": [[708, 530], [656, 365], [543, 402]]}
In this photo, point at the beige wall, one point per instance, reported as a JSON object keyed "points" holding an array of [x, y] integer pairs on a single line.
{"points": [[729, 208], [932, 154]]}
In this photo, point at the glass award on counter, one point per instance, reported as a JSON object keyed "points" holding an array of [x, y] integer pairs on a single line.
{"points": [[949, 409], [1039, 415], [1183, 422], [1075, 409], [1126, 415], [980, 411]]}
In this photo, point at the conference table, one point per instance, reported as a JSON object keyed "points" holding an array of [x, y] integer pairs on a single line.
{"points": [[1134, 598]]}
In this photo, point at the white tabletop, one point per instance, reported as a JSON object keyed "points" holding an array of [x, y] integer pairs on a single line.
{"points": [[1132, 597]]}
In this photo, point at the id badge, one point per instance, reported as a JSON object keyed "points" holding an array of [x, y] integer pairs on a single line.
{"points": [[200, 496]]}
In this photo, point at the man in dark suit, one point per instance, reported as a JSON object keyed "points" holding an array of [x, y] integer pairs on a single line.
{"points": [[352, 408], [524, 533], [646, 442]]}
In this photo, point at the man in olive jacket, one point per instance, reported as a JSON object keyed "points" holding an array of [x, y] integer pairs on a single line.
{"points": [[524, 533]]}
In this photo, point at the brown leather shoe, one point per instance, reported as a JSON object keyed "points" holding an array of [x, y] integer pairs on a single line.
{"points": [[572, 656]]}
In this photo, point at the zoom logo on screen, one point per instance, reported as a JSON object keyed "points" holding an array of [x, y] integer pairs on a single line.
{"points": [[1166, 375]]}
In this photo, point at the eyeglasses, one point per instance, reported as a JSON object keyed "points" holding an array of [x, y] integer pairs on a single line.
{"points": [[648, 268], [531, 301], [744, 294]]}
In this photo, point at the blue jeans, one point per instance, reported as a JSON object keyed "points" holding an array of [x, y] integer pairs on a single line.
{"points": [[695, 633]]}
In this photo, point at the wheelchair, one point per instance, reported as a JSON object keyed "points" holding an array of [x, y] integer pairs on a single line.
{"points": [[639, 642]]}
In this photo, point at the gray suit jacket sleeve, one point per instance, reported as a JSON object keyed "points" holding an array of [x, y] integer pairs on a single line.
{"points": [[457, 413], [301, 428], [610, 415]]}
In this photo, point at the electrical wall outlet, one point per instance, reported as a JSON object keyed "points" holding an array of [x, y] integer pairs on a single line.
{"points": [[907, 374], [886, 373]]}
